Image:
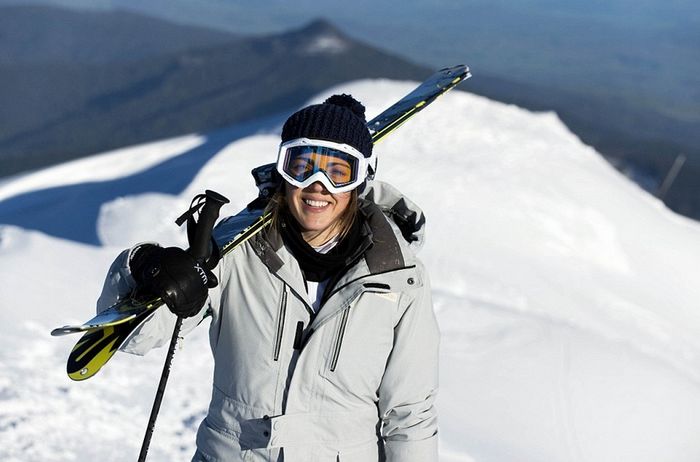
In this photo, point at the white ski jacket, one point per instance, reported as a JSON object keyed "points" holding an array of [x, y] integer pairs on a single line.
{"points": [[354, 383]]}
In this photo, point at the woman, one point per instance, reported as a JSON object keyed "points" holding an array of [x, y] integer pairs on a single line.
{"points": [[323, 334]]}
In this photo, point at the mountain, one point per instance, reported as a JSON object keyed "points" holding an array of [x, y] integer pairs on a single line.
{"points": [[622, 75], [46, 35], [59, 110], [566, 295]]}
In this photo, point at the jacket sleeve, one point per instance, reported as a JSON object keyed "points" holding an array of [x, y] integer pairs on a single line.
{"points": [[156, 330], [409, 387]]}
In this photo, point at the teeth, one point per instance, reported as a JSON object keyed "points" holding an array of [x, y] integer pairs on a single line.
{"points": [[315, 203]]}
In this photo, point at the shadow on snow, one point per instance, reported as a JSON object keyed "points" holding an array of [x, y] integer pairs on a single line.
{"points": [[71, 211]]}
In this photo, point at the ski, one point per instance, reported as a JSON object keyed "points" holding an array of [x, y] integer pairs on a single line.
{"points": [[98, 346], [436, 85], [106, 332], [117, 314]]}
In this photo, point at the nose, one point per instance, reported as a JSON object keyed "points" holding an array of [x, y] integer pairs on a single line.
{"points": [[316, 186]]}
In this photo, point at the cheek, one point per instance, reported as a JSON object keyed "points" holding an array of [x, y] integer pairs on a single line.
{"points": [[291, 195], [342, 200]]}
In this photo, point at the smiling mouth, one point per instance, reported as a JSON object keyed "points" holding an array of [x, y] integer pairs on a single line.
{"points": [[317, 204]]}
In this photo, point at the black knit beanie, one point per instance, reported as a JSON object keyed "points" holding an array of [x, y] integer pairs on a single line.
{"points": [[341, 119]]}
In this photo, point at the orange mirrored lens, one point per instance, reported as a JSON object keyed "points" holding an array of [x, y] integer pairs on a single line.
{"points": [[304, 161]]}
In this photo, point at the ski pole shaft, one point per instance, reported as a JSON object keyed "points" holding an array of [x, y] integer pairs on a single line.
{"points": [[199, 249], [161, 390]]}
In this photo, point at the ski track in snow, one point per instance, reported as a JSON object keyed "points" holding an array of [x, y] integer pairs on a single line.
{"points": [[566, 296]]}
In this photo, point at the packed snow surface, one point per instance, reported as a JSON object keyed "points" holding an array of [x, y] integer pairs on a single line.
{"points": [[567, 297]]}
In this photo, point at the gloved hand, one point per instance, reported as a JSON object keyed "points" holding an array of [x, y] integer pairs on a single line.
{"points": [[172, 274]]}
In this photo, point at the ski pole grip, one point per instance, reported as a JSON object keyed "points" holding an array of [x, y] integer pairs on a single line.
{"points": [[207, 218]]}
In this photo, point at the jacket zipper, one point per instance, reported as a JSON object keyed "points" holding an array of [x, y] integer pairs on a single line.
{"points": [[339, 341], [280, 325]]}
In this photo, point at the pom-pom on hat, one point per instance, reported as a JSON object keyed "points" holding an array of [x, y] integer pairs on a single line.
{"points": [[341, 119]]}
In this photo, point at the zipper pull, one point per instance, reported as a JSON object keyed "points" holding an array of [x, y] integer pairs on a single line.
{"points": [[299, 336]]}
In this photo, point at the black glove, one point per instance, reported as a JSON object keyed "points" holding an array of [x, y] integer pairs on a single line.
{"points": [[172, 274]]}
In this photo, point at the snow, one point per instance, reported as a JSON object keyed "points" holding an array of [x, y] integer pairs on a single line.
{"points": [[566, 295], [101, 167], [329, 44]]}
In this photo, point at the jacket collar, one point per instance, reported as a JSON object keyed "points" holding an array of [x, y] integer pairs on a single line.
{"points": [[382, 254], [382, 251]]}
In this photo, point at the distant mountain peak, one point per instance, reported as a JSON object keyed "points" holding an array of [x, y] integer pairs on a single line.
{"points": [[320, 37], [327, 44], [320, 25]]}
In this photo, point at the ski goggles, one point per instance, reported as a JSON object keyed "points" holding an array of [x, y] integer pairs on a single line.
{"points": [[339, 167]]}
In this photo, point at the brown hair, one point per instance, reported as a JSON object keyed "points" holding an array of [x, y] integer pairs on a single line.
{"points": [[279, 209]]}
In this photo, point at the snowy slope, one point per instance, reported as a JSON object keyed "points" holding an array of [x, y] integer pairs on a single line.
{"points": [[567, 297]]}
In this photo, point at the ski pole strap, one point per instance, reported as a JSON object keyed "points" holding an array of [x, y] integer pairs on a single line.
{"points": [[199, 231], [197, 203], [199, 245]]}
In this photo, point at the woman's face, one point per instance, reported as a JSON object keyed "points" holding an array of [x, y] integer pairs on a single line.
{"points": [[316, 210]]}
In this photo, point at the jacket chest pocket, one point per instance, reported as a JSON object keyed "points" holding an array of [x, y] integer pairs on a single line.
{"points": [[340, 336], [362, 340], [279, 325]]}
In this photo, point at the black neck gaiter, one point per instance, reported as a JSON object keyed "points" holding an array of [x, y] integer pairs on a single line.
{"points": [[317, 266]]}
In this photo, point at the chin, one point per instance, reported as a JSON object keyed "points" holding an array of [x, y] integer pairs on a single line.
{"points": [[315, 225]]}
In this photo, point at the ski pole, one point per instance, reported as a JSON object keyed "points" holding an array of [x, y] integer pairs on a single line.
{"points": [[199, 249]]}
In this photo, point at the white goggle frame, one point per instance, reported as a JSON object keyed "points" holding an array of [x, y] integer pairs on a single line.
{"points": [[363, 164]]}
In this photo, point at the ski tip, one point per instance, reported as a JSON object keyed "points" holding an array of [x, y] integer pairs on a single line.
{"points": [[65, 330], [83, 374], [457, 70], [458, 73]]}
